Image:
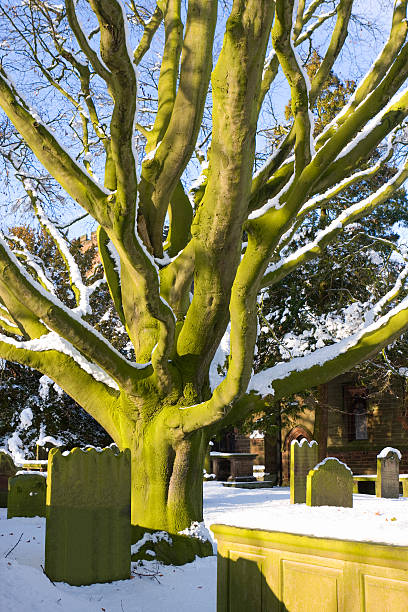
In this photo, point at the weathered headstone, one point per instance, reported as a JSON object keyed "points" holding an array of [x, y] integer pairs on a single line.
{"points": [[387, 484], [43, 448], [7, 470], [88, 532], [303, 457], [330, 483], [26, 495]]}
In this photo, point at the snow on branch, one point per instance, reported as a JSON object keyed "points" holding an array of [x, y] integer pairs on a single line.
{"points": [[53, 342], [33, 261], [276, 202], [95, 343], [276, 271], [263, 382], [312, 28], [82, 292], [399, 100], [320, 200], [389, 297]]}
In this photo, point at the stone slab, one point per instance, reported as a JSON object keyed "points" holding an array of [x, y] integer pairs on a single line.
{"points": [[259, 571], [387, 483], [330, 483], [26, 495], [88, 530], [303, 457]]}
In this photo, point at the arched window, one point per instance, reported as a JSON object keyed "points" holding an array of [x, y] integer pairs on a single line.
{"points": [[298, 433], [360, 419], [356, 413]]}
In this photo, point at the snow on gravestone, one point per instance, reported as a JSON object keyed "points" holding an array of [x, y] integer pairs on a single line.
{"points": [[330, 483], [7, 469], [26, 495], [387, 483], [88, 532], [303, 457]]}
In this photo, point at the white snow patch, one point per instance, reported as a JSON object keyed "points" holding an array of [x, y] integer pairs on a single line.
{"points": [[155, 537], [43, 440], [389, 449], [26, 418], [25, 587], [217, 364], [197, 530]]}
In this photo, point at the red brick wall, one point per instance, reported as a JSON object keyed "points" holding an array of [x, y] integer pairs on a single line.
{"points": [[365, 461]]}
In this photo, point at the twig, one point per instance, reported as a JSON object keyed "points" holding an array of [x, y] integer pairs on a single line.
{"points": [[147, 575], [52, 582], [13, 547]]}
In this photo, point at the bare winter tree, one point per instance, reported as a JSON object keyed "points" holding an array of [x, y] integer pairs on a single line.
{"points": [[187, 296]]}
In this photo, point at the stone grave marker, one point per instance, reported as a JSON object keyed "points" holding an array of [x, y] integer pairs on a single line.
{"points": [[387, 483], [303, 457], [7, 470], [26, 495], [88, 531], [43, 448], [330, 483]]}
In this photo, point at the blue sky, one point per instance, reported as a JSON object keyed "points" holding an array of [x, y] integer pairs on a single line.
{"points": [[355, 58]]}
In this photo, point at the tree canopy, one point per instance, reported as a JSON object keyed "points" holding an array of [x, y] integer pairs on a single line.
{"points": [[143, 96]]}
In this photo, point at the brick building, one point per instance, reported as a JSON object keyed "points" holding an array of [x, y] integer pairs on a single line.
{"points": [[360, 423]]}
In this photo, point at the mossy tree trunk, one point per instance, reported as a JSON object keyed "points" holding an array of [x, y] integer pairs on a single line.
{"points": [[176, 298], [167, 477]]}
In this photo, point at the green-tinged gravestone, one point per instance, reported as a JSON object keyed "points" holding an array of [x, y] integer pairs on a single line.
{"points": [[88, 532], [303, 457], [387, 483], [7, 470], [26, 495], [330, 483]]}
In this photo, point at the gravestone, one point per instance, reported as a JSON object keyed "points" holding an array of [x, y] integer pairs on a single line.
{"points": [[387, 483], [43, 449], [7, 470], [303, 457], [26, 495], [88, 532], [330, 483]]}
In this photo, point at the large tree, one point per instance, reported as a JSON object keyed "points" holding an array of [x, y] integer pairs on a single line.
{"points": [[180, 293]]}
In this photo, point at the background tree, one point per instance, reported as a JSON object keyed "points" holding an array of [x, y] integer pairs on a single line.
{"points": [[32, 407], [349, 275], [188, 298]]}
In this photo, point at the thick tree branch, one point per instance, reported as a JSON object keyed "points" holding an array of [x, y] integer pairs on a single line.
{"points": [[161, 175], [60, 319], [96, 62], [96, 397], [331, 361], [278, 271], [298, 80], [217, 229], [169, 71]]}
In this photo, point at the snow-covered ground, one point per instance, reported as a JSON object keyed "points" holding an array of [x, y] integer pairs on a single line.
{"points": [[23, 585]]}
